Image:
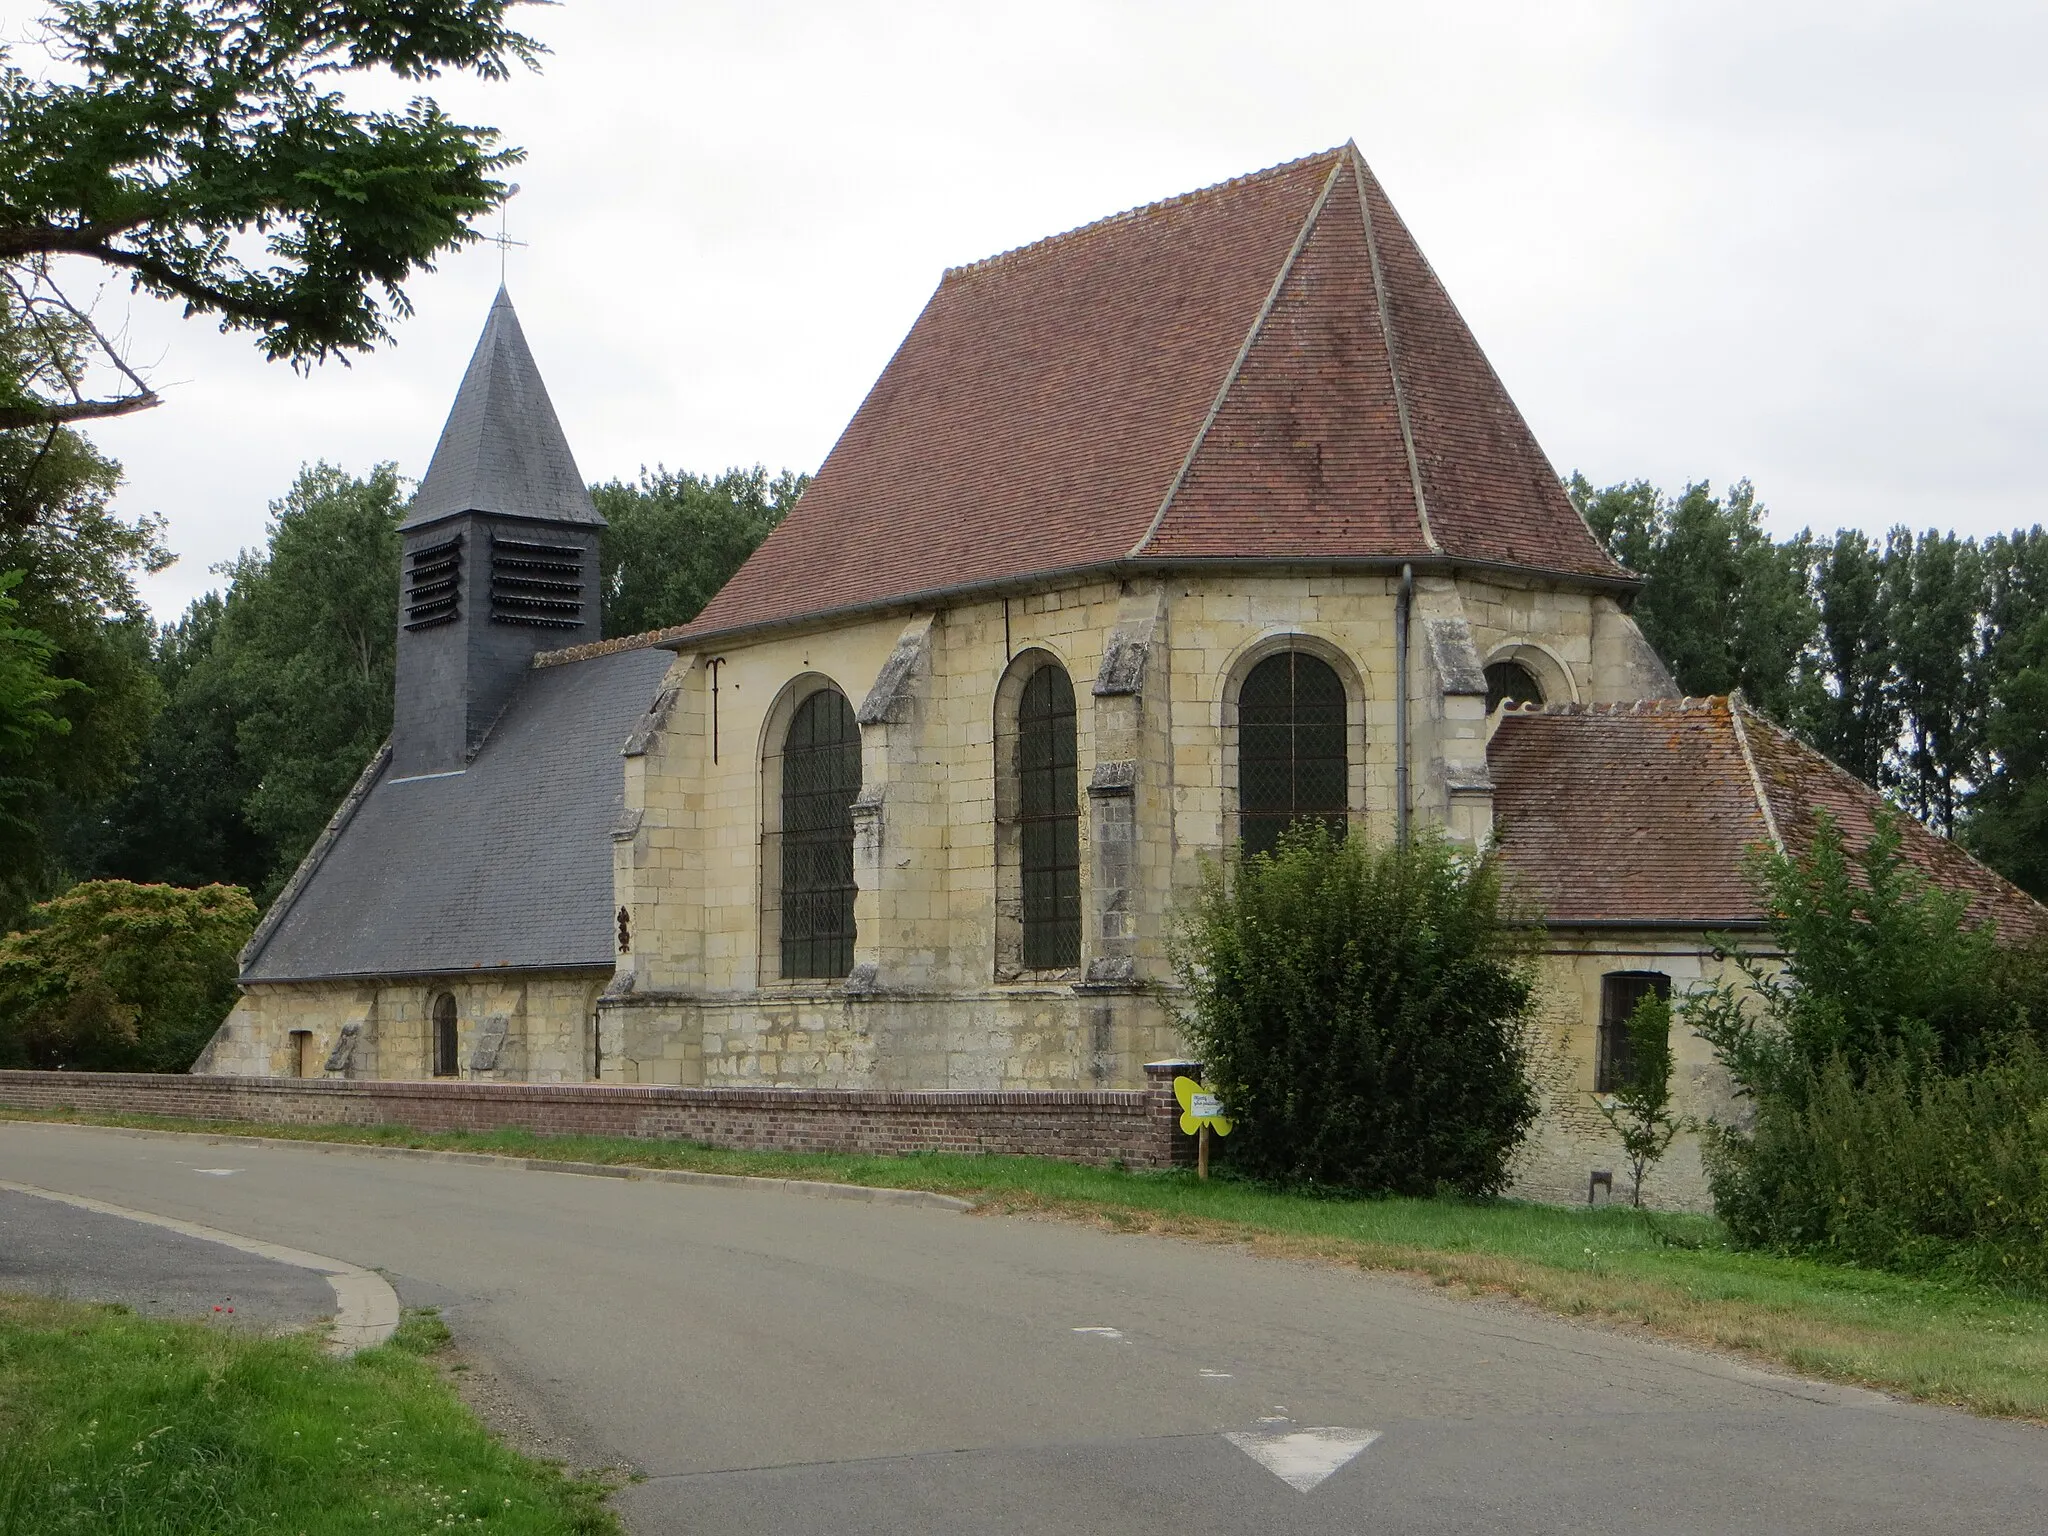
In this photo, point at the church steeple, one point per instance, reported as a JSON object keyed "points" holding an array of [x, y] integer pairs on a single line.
{"points": [[500, 556]]}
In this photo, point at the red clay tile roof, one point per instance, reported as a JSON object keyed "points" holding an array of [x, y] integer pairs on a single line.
{"points": [[1220, 376], [1644, 813]]}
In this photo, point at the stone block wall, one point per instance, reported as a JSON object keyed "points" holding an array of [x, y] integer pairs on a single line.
{"points": [[1138, 1128]]}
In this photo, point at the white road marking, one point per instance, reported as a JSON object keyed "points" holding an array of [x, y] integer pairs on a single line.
{"points": [[365, 1306], [1101, 1333], [219, 1173], [1215, 1375], [1301, 1458]]}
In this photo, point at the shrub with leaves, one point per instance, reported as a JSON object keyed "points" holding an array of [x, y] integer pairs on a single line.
{"points": [[1361, 1012], [1639, 1108], [1897, 1086], [116, 977]]}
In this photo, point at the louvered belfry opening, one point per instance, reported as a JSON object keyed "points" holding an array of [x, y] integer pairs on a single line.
{"points": [[535, 584], [1049, 821], [1293, 761], [820, 777], [433, 584]]}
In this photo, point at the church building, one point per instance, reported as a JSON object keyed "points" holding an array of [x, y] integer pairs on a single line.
{"points": [[1152, 538]]}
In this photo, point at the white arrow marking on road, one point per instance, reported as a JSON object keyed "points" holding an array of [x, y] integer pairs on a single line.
{"points": [[1302, 1458]]}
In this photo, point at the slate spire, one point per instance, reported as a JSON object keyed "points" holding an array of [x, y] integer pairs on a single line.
{"points": [[503, 450], [500, 550]]}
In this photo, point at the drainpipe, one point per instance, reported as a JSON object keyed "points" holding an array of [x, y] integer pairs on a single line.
{"points": [[1403, 599]]}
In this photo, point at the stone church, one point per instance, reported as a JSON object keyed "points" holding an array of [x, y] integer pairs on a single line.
{"points": [[1151, 538]]}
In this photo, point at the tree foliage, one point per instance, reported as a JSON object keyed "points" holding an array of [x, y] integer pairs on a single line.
{"points": [[1911, 661], [165, 141], [1639, 1108], [117, 977], [1360, 1010], [1896, 1090], [674, 538]]}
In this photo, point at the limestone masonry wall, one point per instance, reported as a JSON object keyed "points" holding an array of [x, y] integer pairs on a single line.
{"points": [[1137, 1128]]}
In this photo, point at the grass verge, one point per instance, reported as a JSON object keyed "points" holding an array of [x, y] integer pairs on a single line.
{"points": [[113, 1423], [1955, 1343]]}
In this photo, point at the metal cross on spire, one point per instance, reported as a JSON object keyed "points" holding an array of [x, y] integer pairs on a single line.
{"points": [[502, 240]]}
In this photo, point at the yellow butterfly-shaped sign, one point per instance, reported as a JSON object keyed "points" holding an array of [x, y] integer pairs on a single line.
{"points": [[1199, 1107]]}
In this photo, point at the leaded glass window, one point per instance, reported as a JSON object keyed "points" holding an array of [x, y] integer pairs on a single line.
{"points": [[445, 1040], [1513, 683], [1293, 761], [1620, 991], [820, 777], [1049, 821]]}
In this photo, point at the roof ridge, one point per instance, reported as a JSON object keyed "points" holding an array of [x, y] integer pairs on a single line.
{"points": [[1359, 170], [645, 640], [1127, 215], [1230, 377], [1756, 778], [1908, 821], [1610, 709]]}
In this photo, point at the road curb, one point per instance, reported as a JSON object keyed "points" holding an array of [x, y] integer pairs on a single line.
{"points": [[365, 1306], [818, 1189]]}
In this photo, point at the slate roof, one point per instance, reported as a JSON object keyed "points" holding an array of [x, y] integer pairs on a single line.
{"points": [[1264, 369], [502, 449], [1643, 814], [506, 865]]}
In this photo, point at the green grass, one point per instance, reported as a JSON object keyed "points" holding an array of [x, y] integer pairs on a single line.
{"points": [[111, 1423], [1955, 1343]]}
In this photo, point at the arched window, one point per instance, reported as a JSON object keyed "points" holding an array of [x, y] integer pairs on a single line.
{"points": [[820, 777], [1292, 759], [446, 1063], [1049, 821], [1513, 683]]}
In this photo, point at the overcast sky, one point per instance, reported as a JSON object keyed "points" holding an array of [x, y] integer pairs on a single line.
{"points": [[1802, 243]]}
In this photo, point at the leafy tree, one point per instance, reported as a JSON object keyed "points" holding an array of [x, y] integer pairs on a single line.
{"points": [[1880, 967], [2008, 825], [308, 639], [675, 538], [76, 589], [183, 820], [118, 977], [1854, 718], [1723, 605], [1639, 1110], [27, 691], [1360, 1010], [161, 140], [1933, 610]]}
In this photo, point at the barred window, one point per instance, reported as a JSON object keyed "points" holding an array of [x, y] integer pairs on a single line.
{"points": [[1620, 991], [1293, 762], [820, 777], [1513, 683], [1049, 821], [446, 1063]]}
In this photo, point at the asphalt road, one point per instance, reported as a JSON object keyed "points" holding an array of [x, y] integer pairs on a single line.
{"points": [[776, 1363], [48, 1248]]}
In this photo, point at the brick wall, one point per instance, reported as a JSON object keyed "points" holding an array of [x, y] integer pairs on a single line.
{"points": [[1138, 1128]]}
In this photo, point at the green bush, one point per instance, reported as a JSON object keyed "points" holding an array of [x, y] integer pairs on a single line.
{"points": [[114, 977], [1894, 1068], [1913, 1171], [1360, 1010]]}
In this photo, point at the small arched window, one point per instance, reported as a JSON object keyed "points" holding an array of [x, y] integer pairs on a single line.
{"points": [[1512, 683], [1292, 758], [1049, 820], [820, 778], [446, 1063]]}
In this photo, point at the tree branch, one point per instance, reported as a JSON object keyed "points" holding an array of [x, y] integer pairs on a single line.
{"points": [[41, 414]]}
